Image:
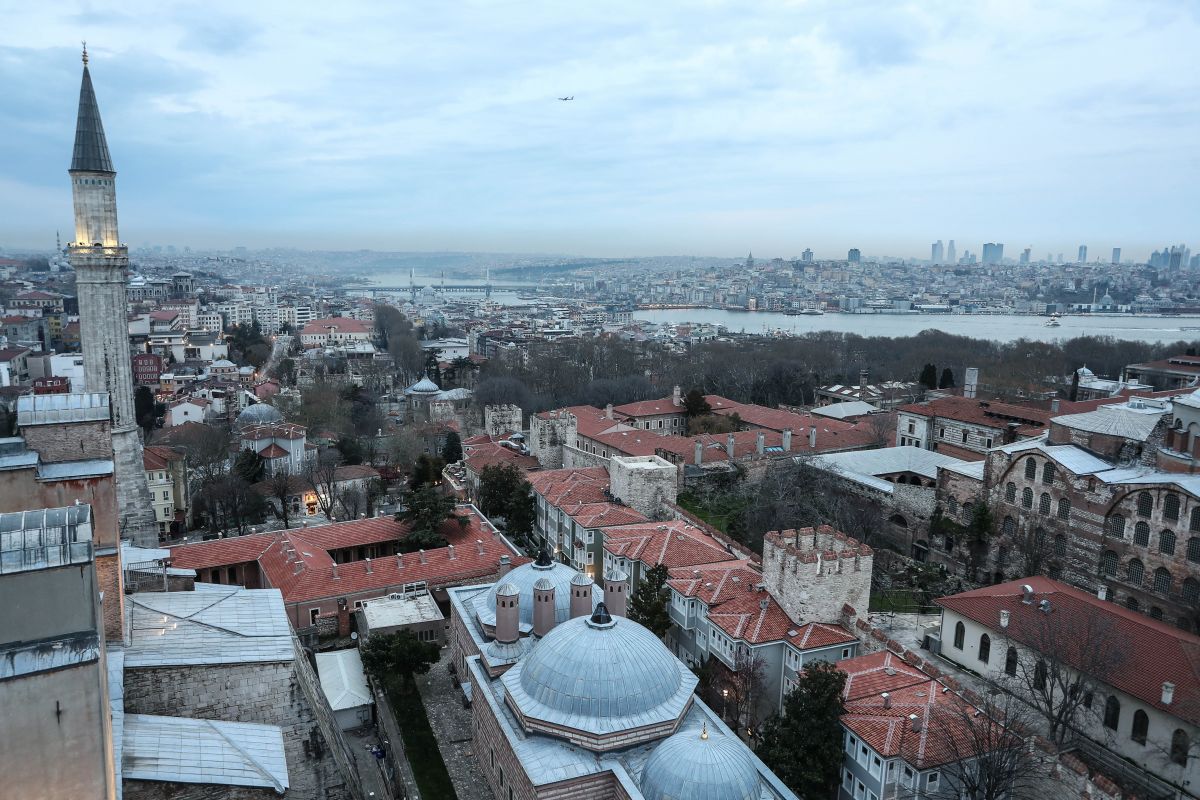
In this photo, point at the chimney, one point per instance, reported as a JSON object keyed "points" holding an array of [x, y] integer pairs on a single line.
{"points": [[764, 604], [1010, 433], [676, 397], [1027, 594], [729, 444], [699, 452], [812, 437], [335, 575], [450, 551], [399, 562], [1168, 693], [787, 440], [1004, 615], [343, 618], [543, 607], [1054, 406], [759, 441], [971, 383], [581, 595], [505, 566], [608, 411], [479, 546], [916, 722], [1102, 593], [421, 556], [615, 591], [887, 700], [368, 565], [508, 614], [862, 378]]}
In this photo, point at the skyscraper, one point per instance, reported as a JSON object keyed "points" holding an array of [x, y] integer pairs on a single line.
{"points": [[951, 255], [1082, 254], [807, 255], [101, 266], [854, 256], [1116, 259], [993, 252], [1025, 255], [936, 255]]}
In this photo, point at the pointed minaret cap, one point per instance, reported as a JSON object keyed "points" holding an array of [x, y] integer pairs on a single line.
{"points": [[91, 148]]}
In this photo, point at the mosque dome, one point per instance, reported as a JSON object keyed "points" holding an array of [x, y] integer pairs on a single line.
{"points": [[423, 386], [699, 765], [596, 680], [581, 580], [524, 577], [258, 414]]}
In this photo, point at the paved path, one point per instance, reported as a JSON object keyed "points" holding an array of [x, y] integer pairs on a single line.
{"points": [[451, 725]]}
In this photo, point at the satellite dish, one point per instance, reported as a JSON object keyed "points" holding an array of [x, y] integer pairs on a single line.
{"points": [[353, 636]]}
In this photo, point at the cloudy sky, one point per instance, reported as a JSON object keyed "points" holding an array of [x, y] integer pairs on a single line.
{"points": [[701, 128]]}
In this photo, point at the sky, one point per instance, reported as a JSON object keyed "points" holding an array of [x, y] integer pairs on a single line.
{"points": [[705, 128]]}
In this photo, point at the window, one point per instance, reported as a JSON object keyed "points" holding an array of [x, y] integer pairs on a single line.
{"points": [[985, 648], [1162, 580], [1166, 542], [1027, 497], [932, 781], [847, 780], [1141, 534], [1060, 544], [988, 443], [1156, 612], [1135, 573], [1171, 506], [1132, 603], [1108, 562], [1115, 526], [1191, 590], [1010, 492], [1030, 469], [1145, 504], [1064, 509], [1195, 526], [1048, 473], [908, 775], [1010, 661], [960, 632], [1180, 745], [952, 507], [1112, 712], [313, 613], [1044, 504], [964, 434], [1193, 549], [1039, 675], [1009, 526], [1141, 724]]}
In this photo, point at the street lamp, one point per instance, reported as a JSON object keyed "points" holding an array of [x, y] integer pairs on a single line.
{"points": [[724, 703]]}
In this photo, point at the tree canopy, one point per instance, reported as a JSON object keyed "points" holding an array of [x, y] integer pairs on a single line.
{"points": [[425, 508], [452, 451], [804, 746], [398, 657], [648, 605]]}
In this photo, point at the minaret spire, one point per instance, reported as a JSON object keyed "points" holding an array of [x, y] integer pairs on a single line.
{"points": [[85, 52]]}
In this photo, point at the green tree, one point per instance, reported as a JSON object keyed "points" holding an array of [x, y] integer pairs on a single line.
{"points": [[351, 450], [426, 509], [522, 512], [648, 606], [498, 485], [928, 377], [1074, 395], [397, 658], [452, 451], [695, 405], [249, 466], [143, 408], [427, 471], [804, 746], [947, 381]]}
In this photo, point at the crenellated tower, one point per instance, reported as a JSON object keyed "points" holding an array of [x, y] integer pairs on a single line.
{"points": [[101, 266]]}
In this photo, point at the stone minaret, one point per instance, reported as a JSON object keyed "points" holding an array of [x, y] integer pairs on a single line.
{"points": [[101, 266]]}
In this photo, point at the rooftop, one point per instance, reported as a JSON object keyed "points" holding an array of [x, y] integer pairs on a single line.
{"points": [[52, 409], [185, 750], [342, 679], [50, 537], [401, 609]]}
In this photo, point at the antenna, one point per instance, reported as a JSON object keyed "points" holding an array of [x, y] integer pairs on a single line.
{"points": [[85, 59]]}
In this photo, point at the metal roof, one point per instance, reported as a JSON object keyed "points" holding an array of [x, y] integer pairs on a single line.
{"points": [[91, 148], [45, 538], [851, 408], [394, 612], [74, 470], [1125, 421], [343, 680], [50, 409], [184, 750], [887, 460], [235, 626], [523, 578], [700, 766]]}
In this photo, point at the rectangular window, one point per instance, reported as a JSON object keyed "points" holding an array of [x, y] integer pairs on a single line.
{"points": [[232, 573], [845, 652], [932, 781], [860, 790], [313, 613]]}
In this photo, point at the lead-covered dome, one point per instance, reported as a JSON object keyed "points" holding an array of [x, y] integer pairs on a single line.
{"points": [[699, 765], [258, 414], [524, 577], [601, 682]]}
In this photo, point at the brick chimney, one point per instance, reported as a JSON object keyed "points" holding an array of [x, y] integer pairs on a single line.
{"points": [[760, 441], [787, 440], [608, 412], [699, 452], [505, 566], [729, 445], [615, 592], [676, 397], [508, 614], [543, 607], [343, 618]]}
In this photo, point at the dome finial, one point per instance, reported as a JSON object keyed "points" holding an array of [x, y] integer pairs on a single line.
{"points": [[704, 731], [85, 52], [543, 559]]}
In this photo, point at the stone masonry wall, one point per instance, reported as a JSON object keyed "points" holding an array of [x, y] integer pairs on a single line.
{"points": [[574, 458], [548, 436], [501, 420], [74, 442], [814, 573], [170, 790], [644, 483]]}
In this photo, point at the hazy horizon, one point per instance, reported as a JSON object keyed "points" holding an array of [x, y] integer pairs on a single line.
{"points": [[703, 130]]}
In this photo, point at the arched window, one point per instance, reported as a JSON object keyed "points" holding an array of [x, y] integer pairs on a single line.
{"points": [[1191, 590], [1166, 542], [1008, 527], [1132, 603], [1060, 544], [1039, 540], [1039, 674], [1108, 562], [1145, 504], [968, 512], [1135, 573], [1156, 612], [1030, 468], [1064, 509], [1193, 552], [1141, 725], [1010, 492], [960, 632], [1141, 534], [1027, 497], [952, 507], [985, 648], [1010, 661], [1048, 472], [1044, 503], [1162, 580], [1115, 526], [1112, 712], [1171, 506], [1195, 526], [1180, 745]]}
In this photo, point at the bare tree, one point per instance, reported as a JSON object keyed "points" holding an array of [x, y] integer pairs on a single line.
{"points": [[989, 750], [321, 476], [353, 501], [746, 684], [882, 428], [282, 486]]}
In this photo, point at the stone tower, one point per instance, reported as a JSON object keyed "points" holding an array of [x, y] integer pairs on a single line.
{"points": [[101, 266]]}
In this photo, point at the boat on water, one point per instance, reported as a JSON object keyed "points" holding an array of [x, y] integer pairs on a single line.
{"points": [[1054, 321], [812, 312]]}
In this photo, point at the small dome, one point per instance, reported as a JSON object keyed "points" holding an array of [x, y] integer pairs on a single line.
{"points": [[524, 577], [581, 580], [423, 386], [223, 363], [258, 414], [544, 585], [507, 590], [616, 574], [698, 765]]}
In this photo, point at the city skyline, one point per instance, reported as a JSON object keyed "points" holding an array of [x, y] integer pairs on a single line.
{"points": [[709, 134]]}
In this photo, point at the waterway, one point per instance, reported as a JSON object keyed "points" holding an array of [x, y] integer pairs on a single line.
{"points": [[998, 327]]}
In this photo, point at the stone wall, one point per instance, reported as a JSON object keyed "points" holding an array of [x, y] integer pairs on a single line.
{"points": [[76, 441], [170, 790], [278, 693], [549, 434], [644, 483], [574, 458], [501, 420], [814, 573]]}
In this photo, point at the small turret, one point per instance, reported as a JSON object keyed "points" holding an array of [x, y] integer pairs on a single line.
{"points": [[615, 592], [508, 614], [581, 595], [543, 607]]}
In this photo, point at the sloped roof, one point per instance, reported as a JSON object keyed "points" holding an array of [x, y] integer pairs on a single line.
{"points": [[343, 680], [206, 751], [91, 148], [674, 543]]}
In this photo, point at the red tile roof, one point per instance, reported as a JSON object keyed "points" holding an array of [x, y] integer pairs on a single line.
{"points": [[985, 413], [562, 487], [717, 583], [877, 672], [159, 457], [1150, 652], [815, 635], [599, 515], [650, 408], [273, 451], [341, 324], [478, 455], [752, 617], [675, 544]]}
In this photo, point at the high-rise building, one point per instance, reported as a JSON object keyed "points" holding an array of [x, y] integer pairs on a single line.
{"points": [[807, 255], [101, 266], [937, 254], [854, 256], [1116, 258], [1025, 255], [993, 252], [951, 255], [1176, 260], [1082, 254]]}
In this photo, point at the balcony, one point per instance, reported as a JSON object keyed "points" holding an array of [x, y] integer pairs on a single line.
{"points": [[681, 618]]}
